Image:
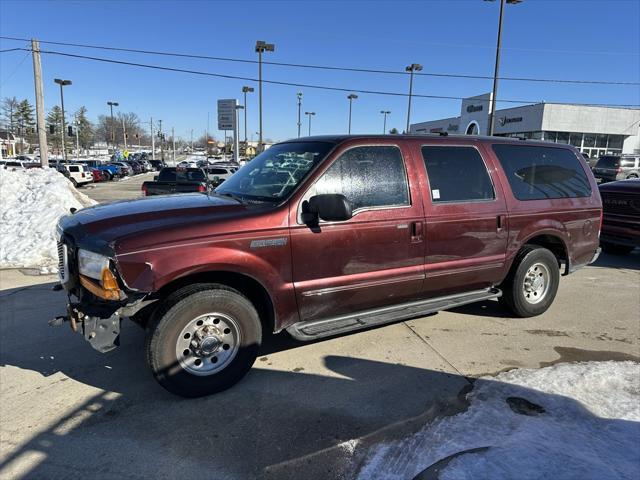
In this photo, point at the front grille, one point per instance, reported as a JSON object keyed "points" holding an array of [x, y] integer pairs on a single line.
{"points": [[621, 204], [63, 263]]}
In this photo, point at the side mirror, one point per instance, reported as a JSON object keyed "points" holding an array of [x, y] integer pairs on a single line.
{"points": [[330, 207], [155, 178]]}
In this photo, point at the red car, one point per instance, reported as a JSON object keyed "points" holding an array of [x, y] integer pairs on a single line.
{"points": [[98, 175], [324, 235]]}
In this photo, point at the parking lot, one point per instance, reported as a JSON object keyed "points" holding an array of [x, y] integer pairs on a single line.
{"points": [[304, 411]]}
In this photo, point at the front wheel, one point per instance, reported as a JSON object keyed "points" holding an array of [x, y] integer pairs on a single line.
{"points": [[532, 284], [204, 339]]}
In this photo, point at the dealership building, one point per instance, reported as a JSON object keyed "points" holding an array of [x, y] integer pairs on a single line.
{"points": [[593, 130]]}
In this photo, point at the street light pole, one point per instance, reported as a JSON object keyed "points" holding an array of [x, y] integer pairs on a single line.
{"points": [[494, 90], [62, 83], [309, 115], [351, 97], [299, 95], [384, 125], [246, 90], [236, 134], [414, 67], [113, 131], [261, 47]]}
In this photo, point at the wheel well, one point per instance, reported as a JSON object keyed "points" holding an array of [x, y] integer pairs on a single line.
{"points": [[553, 244], [246, 285]]}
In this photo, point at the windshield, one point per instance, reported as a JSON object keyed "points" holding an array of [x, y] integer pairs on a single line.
{"points": [[273, 174], [181, 175]]}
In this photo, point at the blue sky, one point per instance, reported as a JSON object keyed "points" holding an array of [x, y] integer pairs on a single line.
{"points": [[572, 39]]}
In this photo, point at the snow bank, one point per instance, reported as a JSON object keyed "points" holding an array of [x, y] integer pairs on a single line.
{"points": [[31, 202], [589, 429]]}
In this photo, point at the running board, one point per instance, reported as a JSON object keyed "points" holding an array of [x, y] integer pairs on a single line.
{"points": [[314, 329]]}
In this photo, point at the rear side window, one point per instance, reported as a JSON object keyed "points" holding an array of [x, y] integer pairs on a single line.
{"points": [[457, 174], [74, 169], [608, 161], [217, 171], [536, 173], [372, 176]]}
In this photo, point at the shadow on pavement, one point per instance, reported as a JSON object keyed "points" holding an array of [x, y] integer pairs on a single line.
{"points": [[274, 424], [630, 261]]}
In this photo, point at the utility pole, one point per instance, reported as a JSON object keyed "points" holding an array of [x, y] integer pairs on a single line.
{"points": [[414, 67], [37, 80], [384, 127], [113, 131], [261, 47], [310, 114], [173, 146], [153, 141], [192, 140], [124, 134], [299, 94], [161, 141], [236, 131], [245, 90], [351, 98], [77, 140]]}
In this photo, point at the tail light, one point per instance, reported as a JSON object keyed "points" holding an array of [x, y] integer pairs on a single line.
{"points": [[619, 170], [202, 188], [144, 190]]}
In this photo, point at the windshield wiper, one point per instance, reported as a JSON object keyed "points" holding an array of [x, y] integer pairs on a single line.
{"points": [[237, 198]]}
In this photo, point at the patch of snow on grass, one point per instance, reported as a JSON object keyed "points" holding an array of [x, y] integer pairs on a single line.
{"points": [[590, 429], [31, 202]]}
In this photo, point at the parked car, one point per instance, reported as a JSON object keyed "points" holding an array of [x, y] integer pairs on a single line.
{"points": [[98, 175], [219, 174], [79, 174], [621, 216], [157, 164], [14, 164], [614, 167], [136, 168], [321, 236], [188, 164], [125, 168], [177, 180], [110, 171]]}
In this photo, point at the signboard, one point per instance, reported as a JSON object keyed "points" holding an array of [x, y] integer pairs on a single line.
{"points": [[227, 113]]}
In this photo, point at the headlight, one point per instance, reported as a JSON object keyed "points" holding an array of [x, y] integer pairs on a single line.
{"points": [[92, 264]]}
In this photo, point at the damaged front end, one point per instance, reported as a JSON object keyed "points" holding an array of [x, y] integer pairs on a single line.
{"points": [[98, 297]]}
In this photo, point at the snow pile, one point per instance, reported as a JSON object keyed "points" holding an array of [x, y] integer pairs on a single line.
{"points": [[31, 202], [589, 429]]}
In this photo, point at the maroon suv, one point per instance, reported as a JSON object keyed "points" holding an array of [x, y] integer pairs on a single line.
{"points": [[326, 235]]}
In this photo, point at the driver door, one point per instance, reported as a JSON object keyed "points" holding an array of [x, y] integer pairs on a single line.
{"points": [[374, 259]]}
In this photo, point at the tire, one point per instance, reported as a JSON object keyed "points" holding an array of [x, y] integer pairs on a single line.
{"points": [[633, 175], [109, 175], [614, 249], [194, 359], [75, 184], [530, 299]]}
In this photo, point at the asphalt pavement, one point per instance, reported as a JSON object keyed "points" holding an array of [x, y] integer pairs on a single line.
{"points": [[309, 411]]}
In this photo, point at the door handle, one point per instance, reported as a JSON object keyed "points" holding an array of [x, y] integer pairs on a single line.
{"points": [[501, 221], [416, 232]]}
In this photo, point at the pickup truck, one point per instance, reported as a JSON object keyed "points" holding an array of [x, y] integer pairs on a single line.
{"points": [[176, 180], [110, 171], [326, 235]]}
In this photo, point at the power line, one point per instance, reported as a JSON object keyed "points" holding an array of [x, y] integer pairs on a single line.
{"points": [[301, 85], [326, 67]]}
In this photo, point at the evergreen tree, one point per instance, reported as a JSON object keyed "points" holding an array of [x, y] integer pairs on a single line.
{"points": [[54, 118], [25, 121], [85, 128], [394, 131]]}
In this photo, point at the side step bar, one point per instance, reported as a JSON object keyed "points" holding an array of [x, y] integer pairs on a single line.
{"points": [[314, 329]]}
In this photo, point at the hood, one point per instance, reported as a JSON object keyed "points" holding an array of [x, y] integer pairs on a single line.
{"points": [[104, 227], [622, 186]]}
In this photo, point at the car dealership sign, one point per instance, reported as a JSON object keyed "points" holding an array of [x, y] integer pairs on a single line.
{"points": [[227, 114]]}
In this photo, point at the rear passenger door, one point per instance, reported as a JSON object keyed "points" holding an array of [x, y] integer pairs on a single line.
{"points": [[374, 259], [466, 220]]}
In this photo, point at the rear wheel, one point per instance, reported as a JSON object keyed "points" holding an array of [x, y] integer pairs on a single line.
{"points": [[532, 284], [614, 249], [203, 340]]}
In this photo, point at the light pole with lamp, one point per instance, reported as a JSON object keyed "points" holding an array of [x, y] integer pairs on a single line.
{"points": [[310, 114], [384, 125], [62, 83], [113, 131], [351, 97], [414, 67], [261, 47], [494, 90], [299, 95], [246, 90]]}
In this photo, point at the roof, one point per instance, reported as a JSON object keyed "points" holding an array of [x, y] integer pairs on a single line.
{"points": [[335, 139]]}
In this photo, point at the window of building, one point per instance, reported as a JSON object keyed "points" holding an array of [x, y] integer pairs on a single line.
{"points": [[575, 139], [616, 141], [563, 137], [536, 173], [457, 174], [372, 176], [550, 136], [601, 140], [589, 140]]}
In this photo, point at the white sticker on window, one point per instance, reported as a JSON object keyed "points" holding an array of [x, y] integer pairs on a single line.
{"points": [[435, 194]]}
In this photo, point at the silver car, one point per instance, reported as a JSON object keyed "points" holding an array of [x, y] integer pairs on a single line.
{"points": [[616, 167]]}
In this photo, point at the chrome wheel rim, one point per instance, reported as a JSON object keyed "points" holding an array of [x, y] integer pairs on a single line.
{"points": [[536, 283], [208, 344]]}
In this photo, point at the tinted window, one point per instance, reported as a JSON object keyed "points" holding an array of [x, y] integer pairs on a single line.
{"points": [[217, 171], [368, 177], [181, 175], [608, 161], [542, 172], [74, 169], [457, 174]]}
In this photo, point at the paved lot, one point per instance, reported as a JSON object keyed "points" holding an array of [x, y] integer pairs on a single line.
{"points": [[126, 189], [305, 411]]}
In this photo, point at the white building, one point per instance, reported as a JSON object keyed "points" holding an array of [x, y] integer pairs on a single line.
{"points": [[593, 130]]}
